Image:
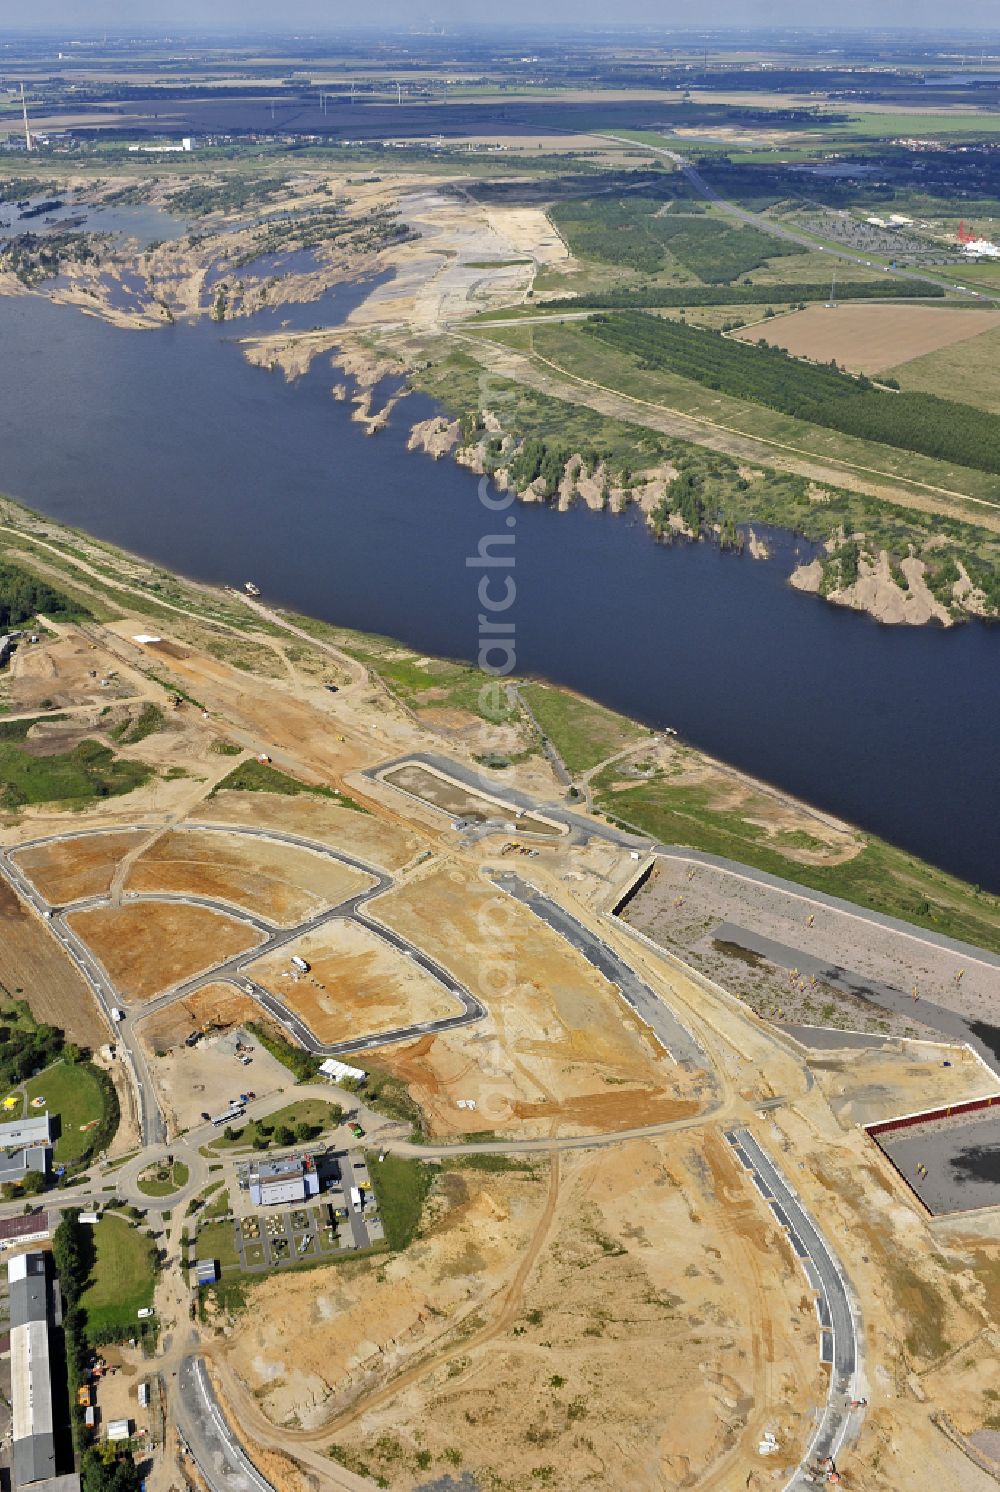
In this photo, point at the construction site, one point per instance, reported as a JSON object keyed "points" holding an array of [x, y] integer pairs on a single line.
{"points": [[588, 1272]]}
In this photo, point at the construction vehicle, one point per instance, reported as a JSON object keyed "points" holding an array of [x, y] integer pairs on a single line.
{"points": [[356, 1130]]}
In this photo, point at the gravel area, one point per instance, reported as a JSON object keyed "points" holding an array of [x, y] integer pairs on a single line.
{"points": [[682, 904]]}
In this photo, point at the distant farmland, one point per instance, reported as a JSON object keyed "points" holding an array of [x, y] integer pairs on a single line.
{"points": [[871, 338]]}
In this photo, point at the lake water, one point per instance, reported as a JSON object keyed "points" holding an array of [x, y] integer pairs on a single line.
{"points": [[170, 444]]}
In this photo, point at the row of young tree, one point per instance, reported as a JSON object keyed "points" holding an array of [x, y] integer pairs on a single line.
{"points": [[820, 393], [659, 296], [103, 1468]]}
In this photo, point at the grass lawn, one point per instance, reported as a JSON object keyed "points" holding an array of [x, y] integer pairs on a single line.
{"points": [[163, 1181], [123, 1278], [311, 1111], [584, 734], [73, 1091], [881, 877], [401, 1187], [218, 1241]]}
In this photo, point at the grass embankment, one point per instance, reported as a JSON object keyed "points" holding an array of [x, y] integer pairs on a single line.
{"points": [[880, 877], [85, 1101], [583, 733], [260, 777], [90, 770], [401, 1187], [122, 1279], [137, 727]]}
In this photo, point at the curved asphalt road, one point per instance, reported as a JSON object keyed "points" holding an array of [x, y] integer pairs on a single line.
{"points": [[838, 1328]]}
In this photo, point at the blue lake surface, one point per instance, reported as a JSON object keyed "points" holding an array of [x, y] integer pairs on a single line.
{"points": [[170, 444]]}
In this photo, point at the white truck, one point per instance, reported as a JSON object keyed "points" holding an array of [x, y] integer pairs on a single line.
{"points": [[117, 1015]]}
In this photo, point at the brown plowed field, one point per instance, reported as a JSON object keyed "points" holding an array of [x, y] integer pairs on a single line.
{"points": [[152, 946], [359, 834], [279, 882], [868, 339], [75, 868], [356, 986], [558, 1050], [34, 968]]}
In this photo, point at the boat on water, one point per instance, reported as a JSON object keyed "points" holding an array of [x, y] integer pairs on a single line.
{"points": [[251, 589]]}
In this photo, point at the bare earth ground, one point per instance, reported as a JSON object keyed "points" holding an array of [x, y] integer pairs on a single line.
{"points": [[65, 671], [452, 798], [277, 881], [76, 868], [152, 946], [382, 843], [214, 1008], [33, 967], [867, 1087], [870, 339], [710, 896], [634, 1350], [356, 985], [558, 1050], [191, 1081]]}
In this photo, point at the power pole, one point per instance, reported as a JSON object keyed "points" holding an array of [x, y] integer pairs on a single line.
{"points": [[24, 109]]}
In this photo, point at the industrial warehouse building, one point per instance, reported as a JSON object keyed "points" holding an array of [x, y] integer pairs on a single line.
{"points": [[34, 1310], [291, 1179]]}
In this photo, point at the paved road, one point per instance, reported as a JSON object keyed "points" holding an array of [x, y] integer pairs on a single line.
{"points": [[205, 1432], [838, 1329], [648, 1005]]}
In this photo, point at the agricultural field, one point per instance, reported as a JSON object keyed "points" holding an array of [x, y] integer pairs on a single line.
{"points": [[874, 339], [35, 968], [151, 946], [967, 370]]}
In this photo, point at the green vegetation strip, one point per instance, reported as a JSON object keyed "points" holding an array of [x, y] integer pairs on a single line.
{"points": [[260, 777], [880, 877], [23, 596], [657, 296], [401, 1187]]}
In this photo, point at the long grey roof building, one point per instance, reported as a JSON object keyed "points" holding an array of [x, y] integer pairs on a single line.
{"points": [[34, 1307]]}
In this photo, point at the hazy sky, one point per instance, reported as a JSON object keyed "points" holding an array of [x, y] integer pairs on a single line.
{"points": [[130, 16]]}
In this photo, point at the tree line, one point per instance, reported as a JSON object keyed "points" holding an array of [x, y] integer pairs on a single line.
{"points": [[660, 297]]}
